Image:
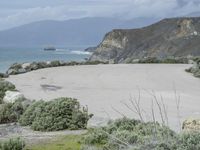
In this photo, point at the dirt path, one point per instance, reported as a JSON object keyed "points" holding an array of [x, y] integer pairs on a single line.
{"points": [[32, 137]]}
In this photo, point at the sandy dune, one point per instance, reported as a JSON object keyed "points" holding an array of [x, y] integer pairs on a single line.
{"points": [[106, 89]]}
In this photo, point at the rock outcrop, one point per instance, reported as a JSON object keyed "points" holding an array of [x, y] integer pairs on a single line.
{"points": [[176, 37], [18, 68], [191, 125], [12, 96], [195, 69]]}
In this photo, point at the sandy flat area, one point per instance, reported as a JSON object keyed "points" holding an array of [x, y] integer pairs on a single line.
{"points": [[106, 89]]}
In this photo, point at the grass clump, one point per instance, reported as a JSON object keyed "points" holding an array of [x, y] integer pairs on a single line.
{"points": [[188, 141], [12, 144], [69, 142], [58, 114]]}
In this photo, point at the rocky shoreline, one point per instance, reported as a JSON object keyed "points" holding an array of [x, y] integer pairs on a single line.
{"points": [[20, 68]]}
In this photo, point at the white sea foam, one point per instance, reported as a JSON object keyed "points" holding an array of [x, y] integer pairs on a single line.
{"points": [[80, 52], [61, 51]]}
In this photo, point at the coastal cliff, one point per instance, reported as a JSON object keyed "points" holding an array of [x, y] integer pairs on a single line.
{"points": [[176, 37]]}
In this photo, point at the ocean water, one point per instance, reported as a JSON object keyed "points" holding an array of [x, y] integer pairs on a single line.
{"points": [[10, 55]]}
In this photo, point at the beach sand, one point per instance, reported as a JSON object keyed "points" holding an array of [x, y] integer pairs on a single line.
{"points": [[107, 89]]}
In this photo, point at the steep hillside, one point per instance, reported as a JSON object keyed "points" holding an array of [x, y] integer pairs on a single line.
{"points": [[169, 37]]}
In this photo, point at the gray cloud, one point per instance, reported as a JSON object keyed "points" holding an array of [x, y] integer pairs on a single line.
{"points": [[15, 12]]}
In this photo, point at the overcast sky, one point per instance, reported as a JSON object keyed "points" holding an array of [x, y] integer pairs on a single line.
{"points": [[17, 12]]}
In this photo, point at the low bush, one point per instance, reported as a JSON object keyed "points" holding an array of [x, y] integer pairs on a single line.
{"points": [[55, 63], [128, 134], [149, 60], [11, 112], [94, 62], [124, 133], [5, 86], [178, 60], [58, 114], [189, 141], [12, 144]]}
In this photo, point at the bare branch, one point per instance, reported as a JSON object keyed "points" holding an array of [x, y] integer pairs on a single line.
{"points": [[118, 112], [136, 104], [115, 138], [130, 108], [154, 120], [177, 99], [164, 110], [160, 109]]}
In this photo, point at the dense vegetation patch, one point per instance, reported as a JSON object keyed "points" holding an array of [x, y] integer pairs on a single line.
{"points": [[5, 86], [12, 144], [155, 60], [58, 114], [11, 112], [127, 134]]}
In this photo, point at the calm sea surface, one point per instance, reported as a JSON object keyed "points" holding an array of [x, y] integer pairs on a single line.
{"points": [[12, 55]]}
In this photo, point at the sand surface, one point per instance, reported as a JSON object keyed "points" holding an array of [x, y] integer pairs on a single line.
{"points": [[106, 89]]}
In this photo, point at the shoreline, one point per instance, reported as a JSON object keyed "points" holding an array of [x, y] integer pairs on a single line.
{"points": [[103, 88]]}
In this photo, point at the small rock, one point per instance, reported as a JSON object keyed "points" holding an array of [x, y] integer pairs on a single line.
{"points": [[191, 124], [3, 75], [11, 72], [26, 65], [22, 70], [12, 96], [48, 62]]}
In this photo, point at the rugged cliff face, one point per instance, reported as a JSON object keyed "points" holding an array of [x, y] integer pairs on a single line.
{"points": [[169, 37]]}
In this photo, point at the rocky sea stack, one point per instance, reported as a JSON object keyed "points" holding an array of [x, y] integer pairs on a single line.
{"points": [[176, 37]]}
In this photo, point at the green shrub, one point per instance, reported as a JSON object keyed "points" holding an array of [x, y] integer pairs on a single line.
{"points": [[58, 114], [55, 63], [96, 136], [31, 112], [189, 141], [12, 144], [5, 86], [41, 65], [10, 112], [128, 132], [94, 62], [149, 60]]}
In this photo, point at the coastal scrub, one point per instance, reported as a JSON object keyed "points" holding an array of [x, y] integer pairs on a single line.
{"points": [[58, 114]]}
